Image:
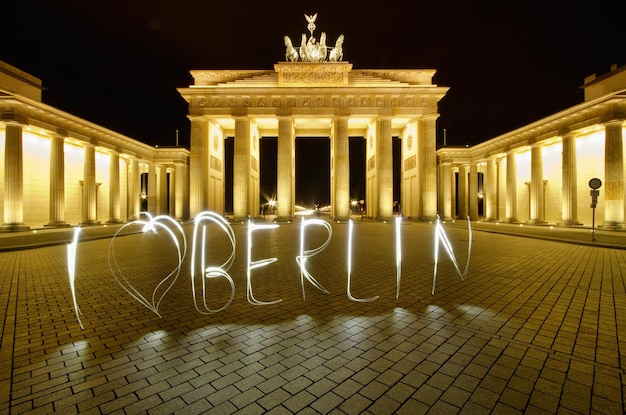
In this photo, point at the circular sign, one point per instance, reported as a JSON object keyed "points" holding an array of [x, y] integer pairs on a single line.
{"points": [[595, 183]]}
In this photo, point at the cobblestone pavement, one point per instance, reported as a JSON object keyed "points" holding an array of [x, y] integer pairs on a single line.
{"points": [[538, 326]]}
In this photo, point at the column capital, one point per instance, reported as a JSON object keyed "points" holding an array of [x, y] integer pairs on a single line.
{"points": [[11, 118]]}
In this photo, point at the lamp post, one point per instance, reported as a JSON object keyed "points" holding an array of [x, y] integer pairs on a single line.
{"points": [[595, 184]]}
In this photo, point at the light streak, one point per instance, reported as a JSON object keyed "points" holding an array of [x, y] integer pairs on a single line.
{"points": [[71, 270], [350, 226], [211, 272], [440, 236], [150, 225], [257, 264], [200, 253], [304, 254], [398, 255]]}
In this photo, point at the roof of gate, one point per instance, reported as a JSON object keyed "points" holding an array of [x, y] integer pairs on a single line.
{"points": [[313, 75]]}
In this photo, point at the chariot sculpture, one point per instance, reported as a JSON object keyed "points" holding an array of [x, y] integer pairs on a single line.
{"points": [[310, 50]]}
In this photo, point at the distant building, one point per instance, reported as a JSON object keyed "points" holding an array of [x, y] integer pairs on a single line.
{"points": [[540, 173], [59, 170]]}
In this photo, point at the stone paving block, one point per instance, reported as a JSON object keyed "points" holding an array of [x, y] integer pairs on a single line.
{"points": [[532, 330]]}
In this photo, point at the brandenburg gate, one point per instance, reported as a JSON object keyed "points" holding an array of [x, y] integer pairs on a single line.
{"points": [[314, 93]]}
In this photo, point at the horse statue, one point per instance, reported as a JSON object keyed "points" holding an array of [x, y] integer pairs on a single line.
{"points": [[303, 49], [336, 54], [322, 47], [291, 54]]}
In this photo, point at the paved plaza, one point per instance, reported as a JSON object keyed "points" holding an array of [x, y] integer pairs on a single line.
{"points": [[538, 325]]}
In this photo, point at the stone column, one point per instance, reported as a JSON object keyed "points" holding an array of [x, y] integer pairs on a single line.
{"points": [[384, 167], [428, 166], [454, 173], [511, 188], [13, 179], [89, 186], [473, 191], [285, 192], [179, 204], [569, 188], [152, 190], [198, 166], [171, 211], [613, 176], [114, 188], [490, 185], [57, 182], [341, 169], [446, 191], [241, 169], [537, 214], [134, 191], [463, 211], [161, 190]]}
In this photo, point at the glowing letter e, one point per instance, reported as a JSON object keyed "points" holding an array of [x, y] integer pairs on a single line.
{"points": [[257, 264]]}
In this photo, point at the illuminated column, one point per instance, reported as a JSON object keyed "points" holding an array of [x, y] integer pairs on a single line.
{"points": [[473, 191], [134, 191], [152, 189], [114, 188], [446, 191], [569, 212], [89, 185], [511, 188], [490, 186], [384, 168], [198, 166], [463, 211], [161, 195], [613, 176], [57, 182], [13, 179], [180, 190], [285, 192], [428, 165], [341, 169], [537, 215], [241, 169], [453, 193], [171, 197]]}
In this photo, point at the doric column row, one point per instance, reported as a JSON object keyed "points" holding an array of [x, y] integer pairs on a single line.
{"points": [[612, 190], [13, 194]]}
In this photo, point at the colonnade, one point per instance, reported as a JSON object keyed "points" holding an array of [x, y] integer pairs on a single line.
{"points": [[128, 204], [246, 174], [499, 170]]}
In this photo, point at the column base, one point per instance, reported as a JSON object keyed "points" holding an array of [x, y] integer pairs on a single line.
{"points": [[512, 220], [114, 222], [90, 223], [537, 222], [569, 224], [53, 224], [14, 227], [612, 226]]}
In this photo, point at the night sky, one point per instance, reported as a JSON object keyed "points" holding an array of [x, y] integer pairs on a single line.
{"points": [[118, 63]]}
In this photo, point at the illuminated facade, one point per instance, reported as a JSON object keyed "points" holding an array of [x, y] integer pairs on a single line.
{"points": [[540, 173], [59, 170], [311, 99]]}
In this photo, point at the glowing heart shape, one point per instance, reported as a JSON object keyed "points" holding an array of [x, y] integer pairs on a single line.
{"points": [[154, 225]]}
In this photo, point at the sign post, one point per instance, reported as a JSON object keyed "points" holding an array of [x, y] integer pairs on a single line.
{"points": [[595, 184]]}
